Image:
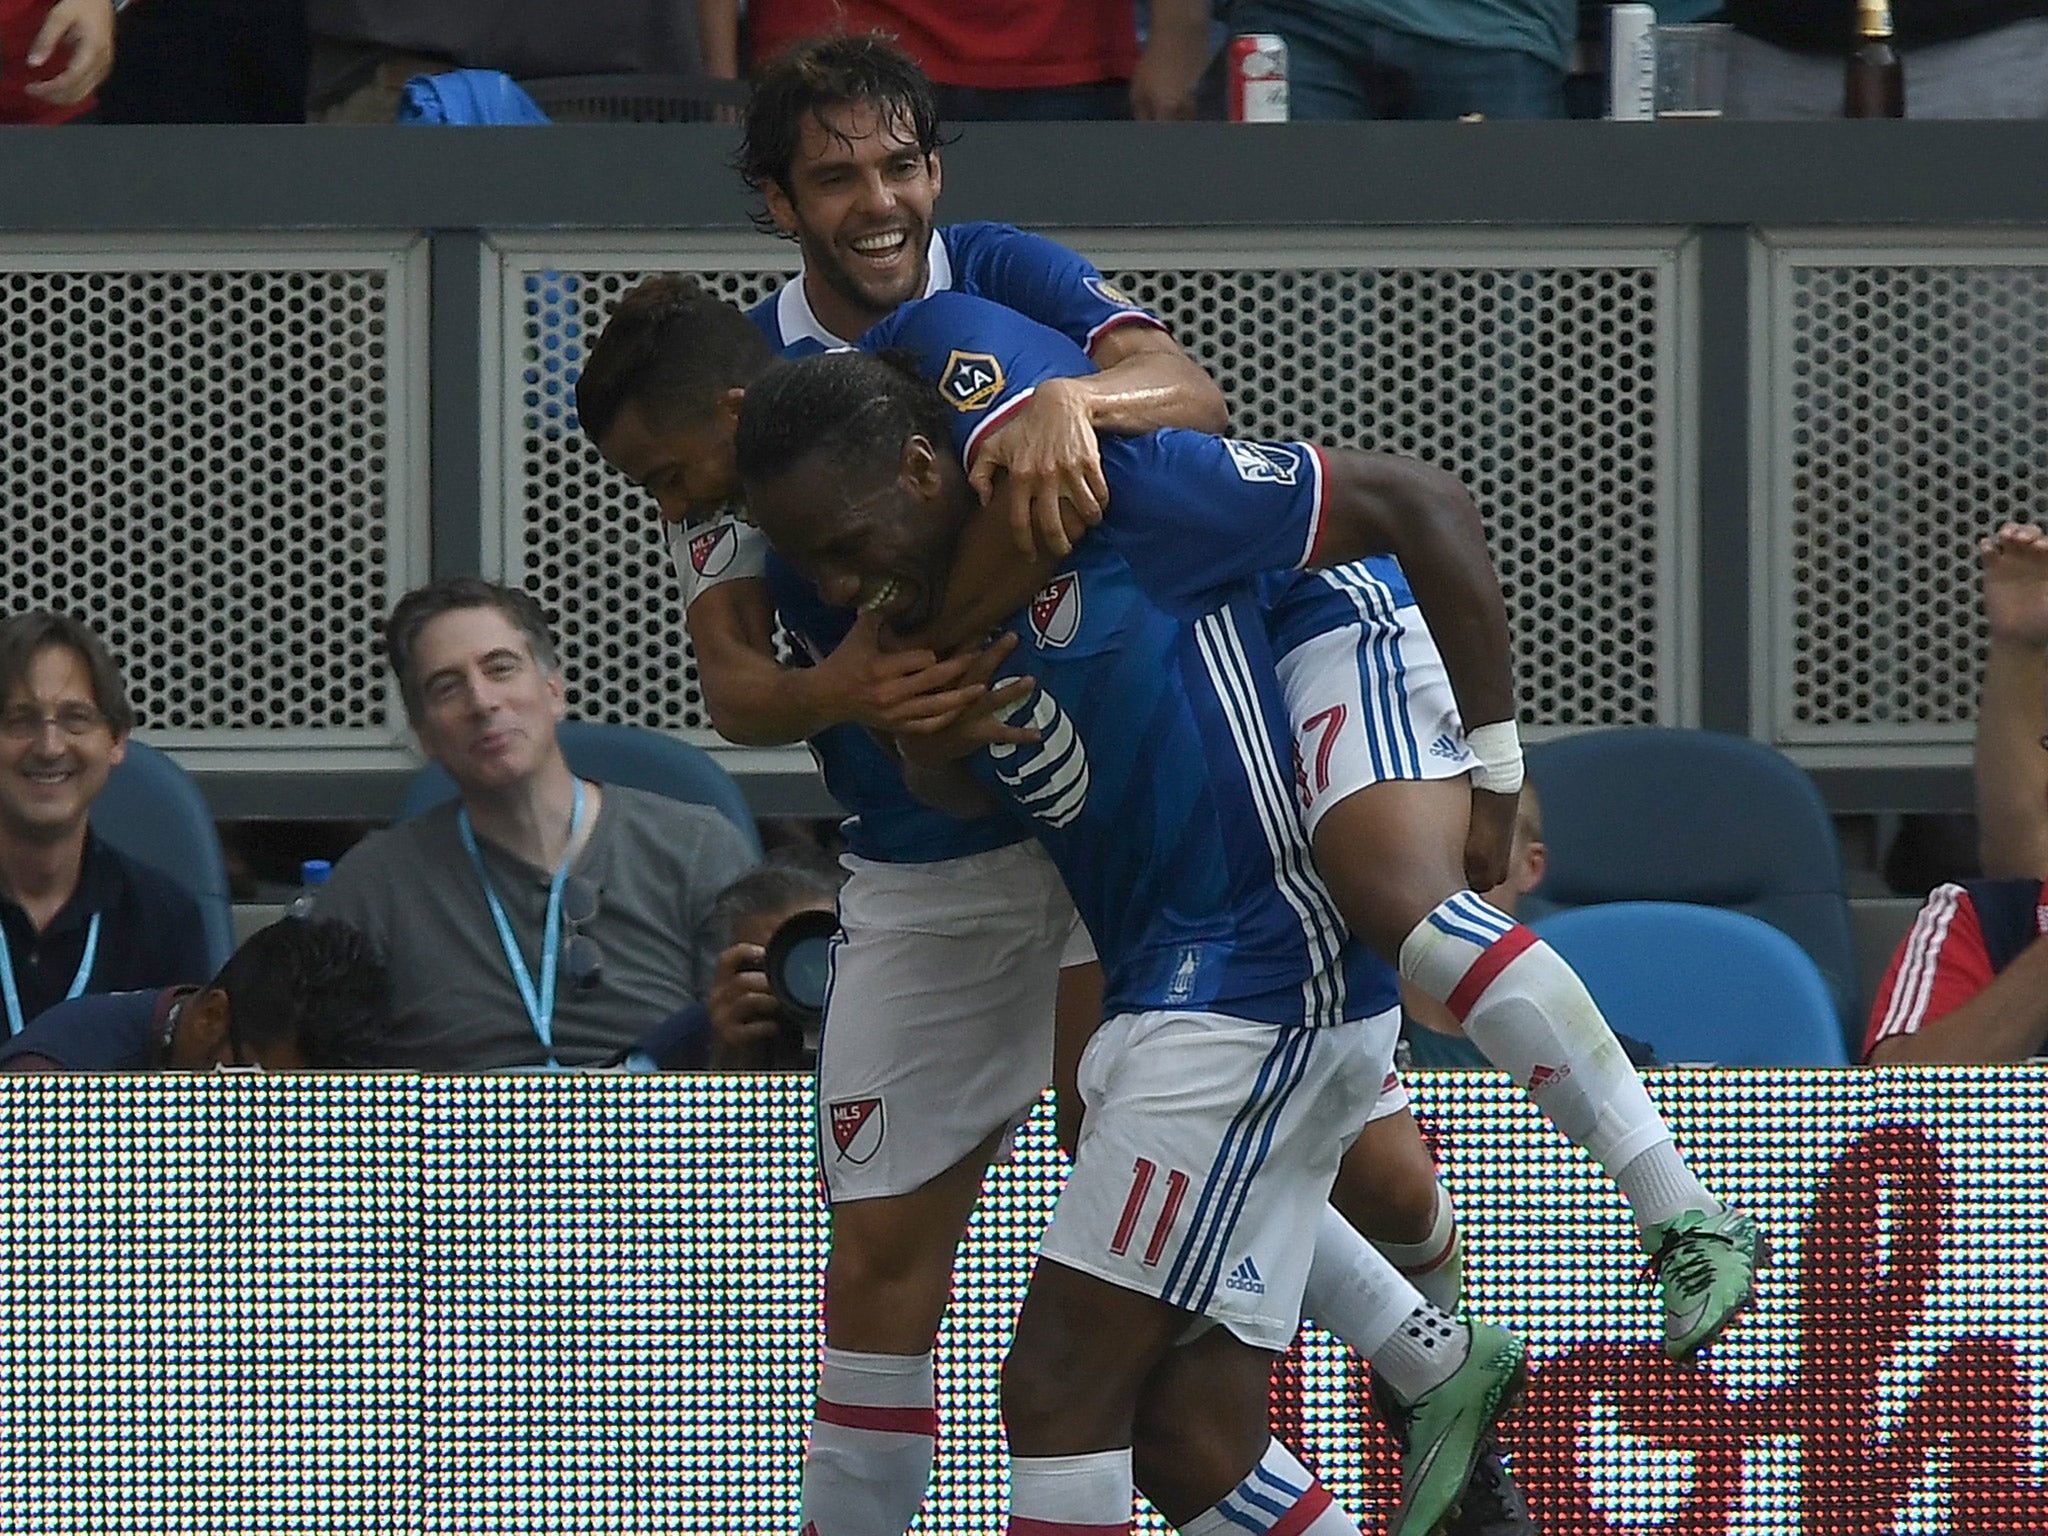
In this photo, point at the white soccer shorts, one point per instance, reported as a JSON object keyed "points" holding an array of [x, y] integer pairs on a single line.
{"points": [[938, 1024], [1370, 702], [1207, 1156]]}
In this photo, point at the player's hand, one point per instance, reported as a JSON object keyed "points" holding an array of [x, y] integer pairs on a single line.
{"points": [[2015, 561], [979, 725], [1054, 488], [1163, 84], [85, 30], [893, 691], [744, 1013], [1489, 839]]}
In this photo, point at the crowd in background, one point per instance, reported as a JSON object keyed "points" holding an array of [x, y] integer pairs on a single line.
{"points": [[347, 61]]}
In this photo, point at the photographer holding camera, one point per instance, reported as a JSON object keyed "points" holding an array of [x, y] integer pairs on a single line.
{"points": [[773, 927]]}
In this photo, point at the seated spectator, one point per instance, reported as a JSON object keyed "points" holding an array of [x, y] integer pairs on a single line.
{"points": [[1969, 982], [53, 56], [1430, 1036], [302, 994], [741, 1026], [75, 916], [538, 919], [1961, 61]]}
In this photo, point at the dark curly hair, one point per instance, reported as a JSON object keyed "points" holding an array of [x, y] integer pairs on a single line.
{"points": [[856, 407], [313, 983], [809, 78], [671, 348]]}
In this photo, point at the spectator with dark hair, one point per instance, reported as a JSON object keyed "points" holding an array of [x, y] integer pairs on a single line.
{"points": [[53, 56], [1969, 982], [539, 919], [302, 994], [1963, 58], [75, 915], [741, 1026]]}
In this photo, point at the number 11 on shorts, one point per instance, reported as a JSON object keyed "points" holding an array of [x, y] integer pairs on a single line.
{"points": [[1134, 1207]]}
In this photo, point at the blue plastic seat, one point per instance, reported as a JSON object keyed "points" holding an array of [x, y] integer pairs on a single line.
{"points": [[621, 754], [152, 811], [1656, 814], [1701, 984]]}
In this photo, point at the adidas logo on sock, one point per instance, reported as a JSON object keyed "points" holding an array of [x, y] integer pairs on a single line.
{"points": [[1443, 747], [1246, 1278]]}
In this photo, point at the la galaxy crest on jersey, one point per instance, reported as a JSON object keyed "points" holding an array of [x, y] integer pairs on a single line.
{"points": [[971, 380], [1264, 463], [1109, 293], [1055, 613]]}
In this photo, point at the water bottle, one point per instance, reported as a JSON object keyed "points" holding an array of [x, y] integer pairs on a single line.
{"points": [[312, 875]]}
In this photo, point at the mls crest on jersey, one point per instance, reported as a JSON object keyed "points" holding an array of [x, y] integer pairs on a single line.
{"points": [[1109, 293], [971, 380], [856, 1128], [712, 550], [1264, 463], [1055, 613]]}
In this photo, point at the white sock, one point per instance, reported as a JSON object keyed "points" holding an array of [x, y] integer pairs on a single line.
{"points": [[1353, 1289], [1436, 1265], [1529, 1013], [872, 1435], [1070, 1495], [1422, 1353], [1657, 1185], [1279, 1494]]}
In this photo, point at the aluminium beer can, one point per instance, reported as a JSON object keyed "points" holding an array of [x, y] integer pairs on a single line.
{"points": [[1258, 78], [1631, 63]]}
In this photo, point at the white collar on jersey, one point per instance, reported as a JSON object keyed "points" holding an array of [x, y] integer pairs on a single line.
{"points": [[793, 316]]}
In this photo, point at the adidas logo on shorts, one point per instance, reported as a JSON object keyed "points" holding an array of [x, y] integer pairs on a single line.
{"points": [[1246, 1278], [1443, 747]]}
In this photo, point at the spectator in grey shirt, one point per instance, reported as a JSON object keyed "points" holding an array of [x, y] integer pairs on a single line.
{"points": [[539, 919]]}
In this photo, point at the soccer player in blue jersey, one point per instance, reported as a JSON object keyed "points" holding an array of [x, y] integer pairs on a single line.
{"points": [[1156, 782]]}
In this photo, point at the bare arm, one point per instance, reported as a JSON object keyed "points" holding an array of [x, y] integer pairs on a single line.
{"points": [[1382, 504], [1176, 53], [2006, 1021], [1047, 452], [2011, 763], [718, 37], [756, 701]]}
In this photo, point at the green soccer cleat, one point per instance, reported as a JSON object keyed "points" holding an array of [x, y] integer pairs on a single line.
{"points": [[1706, 1264], [1447, 1427]]}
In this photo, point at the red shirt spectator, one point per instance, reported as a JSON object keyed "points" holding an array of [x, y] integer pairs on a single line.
{"points": [[990, 45], [79, 51], [1967, 966]]}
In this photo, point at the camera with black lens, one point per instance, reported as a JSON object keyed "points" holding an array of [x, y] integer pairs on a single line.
{"points": [[798, 964]]}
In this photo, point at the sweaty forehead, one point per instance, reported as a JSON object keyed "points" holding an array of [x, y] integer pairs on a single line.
{"points": [[845, 130]]}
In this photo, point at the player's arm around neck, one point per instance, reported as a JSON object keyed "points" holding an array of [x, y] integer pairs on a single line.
{"points": [[1144, 381], [752, 699], [1379, 503]]}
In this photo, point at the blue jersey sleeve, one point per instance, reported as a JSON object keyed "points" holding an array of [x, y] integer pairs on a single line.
{"points": [[1191, 513], [985, 359], [1042, 279]]}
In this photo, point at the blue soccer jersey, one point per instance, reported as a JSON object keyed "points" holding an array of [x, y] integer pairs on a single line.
{"points": [[1043, 279], [1161, 784]]}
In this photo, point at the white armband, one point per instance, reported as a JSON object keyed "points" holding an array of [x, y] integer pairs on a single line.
{"points": [[1499, 750]]}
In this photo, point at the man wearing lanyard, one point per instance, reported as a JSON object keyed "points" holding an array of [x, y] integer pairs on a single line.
{"points": [[75, 916], [539, 920]]}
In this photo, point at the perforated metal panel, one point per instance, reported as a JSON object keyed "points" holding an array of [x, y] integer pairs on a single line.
{"points": [[213, 456], [1549, 378], [1903, 399]]}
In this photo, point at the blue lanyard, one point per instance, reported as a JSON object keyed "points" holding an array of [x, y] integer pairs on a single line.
{"points": [[92, 948], [540, 1006]]}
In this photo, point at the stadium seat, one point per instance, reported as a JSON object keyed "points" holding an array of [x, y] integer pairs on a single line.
{"points": [[153, 812], [1655, 814], [621, 754], [1701, 984]]}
